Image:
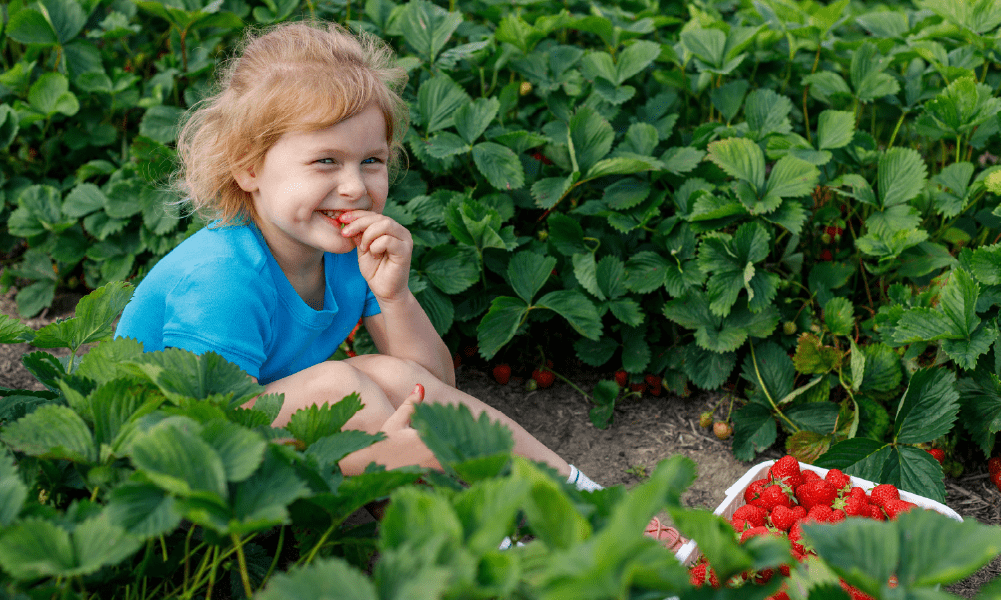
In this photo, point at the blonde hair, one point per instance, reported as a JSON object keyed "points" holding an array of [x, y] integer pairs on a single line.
{"points": [[288, 78]]}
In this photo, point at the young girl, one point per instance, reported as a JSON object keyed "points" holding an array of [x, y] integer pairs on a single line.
{"points": [[292, 158]]}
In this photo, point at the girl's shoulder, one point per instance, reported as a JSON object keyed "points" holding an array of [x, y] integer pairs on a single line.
{"points": [[231, 247]]}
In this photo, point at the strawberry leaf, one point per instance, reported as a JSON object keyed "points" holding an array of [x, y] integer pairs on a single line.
{"points": [[754, 431], [813, 357], [13, 491], [902, 173], [740, 158], [772, 364], [730, 260], [708, 369], [928, 408], [980, 397]]}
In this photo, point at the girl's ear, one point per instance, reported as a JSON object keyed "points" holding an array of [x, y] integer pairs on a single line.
{"points": [[246, 179]]}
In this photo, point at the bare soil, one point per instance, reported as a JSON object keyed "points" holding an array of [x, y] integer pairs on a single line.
{"points": [[644, 431]]}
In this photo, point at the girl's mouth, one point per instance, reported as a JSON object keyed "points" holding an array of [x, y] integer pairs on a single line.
{"points": [[333, 214]]}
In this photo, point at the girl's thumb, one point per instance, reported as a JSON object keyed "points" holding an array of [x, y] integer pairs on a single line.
{"points": [[401, 418]]}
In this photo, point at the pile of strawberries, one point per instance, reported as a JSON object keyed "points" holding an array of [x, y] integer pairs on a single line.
{"points": [[779, 503]]}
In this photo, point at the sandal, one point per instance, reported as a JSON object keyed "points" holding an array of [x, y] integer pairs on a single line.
{"points": [[668, 536]]}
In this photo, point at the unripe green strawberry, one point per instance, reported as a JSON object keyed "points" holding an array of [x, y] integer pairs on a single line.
{"points": [[826, 238], [789, 328], [706, 420]]}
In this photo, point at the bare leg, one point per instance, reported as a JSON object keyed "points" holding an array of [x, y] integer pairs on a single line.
{"points": [[396, 377]]}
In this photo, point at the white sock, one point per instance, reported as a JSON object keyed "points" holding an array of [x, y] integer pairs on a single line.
{"points": [[582, 481]]}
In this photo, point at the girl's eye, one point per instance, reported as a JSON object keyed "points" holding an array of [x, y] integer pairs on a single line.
{"points": [[371, 161], [326, 161]]}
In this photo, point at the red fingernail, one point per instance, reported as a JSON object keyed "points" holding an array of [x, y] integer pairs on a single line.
{"points": [[419, 390]]}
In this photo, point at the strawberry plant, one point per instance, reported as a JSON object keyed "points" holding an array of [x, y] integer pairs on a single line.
{"points": [[656, 187]]}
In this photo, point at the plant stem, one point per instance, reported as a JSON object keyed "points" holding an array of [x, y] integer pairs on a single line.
{"points": [[764, 389], [242, 560], [896, 129], [215, 565], [316, 548], [274, 561]]}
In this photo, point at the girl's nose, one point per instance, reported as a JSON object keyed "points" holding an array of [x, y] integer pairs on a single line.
{"points": [[351, 185]]}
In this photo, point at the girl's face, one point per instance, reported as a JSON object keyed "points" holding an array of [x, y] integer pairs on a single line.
{"points": [[308, 179]]}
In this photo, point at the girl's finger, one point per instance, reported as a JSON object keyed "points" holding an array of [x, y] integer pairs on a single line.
{"points": [[401, 417]]}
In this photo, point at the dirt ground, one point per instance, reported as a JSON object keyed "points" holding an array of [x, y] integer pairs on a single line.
{"points": [[644, 431]]}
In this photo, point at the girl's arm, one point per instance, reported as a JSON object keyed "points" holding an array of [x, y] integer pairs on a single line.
{"points": [[402, 329]]}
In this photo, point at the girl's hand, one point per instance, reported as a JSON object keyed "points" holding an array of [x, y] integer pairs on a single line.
{"points": [[384, 251], [405, 446]]}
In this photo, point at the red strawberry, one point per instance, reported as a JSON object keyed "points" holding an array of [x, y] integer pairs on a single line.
{"points": [[816, 492], [621, 378], [994, 465], [502, 373], [876, 513], [752, 532], [894, 508], [786, 469], [752, 495], [883, 492], [996, 480], [855, 593], [755, 515], [773, 496], [781, 595], [809, 475], [699, 574], [783, 518], [800, 512], [655, 384], [740, 525], [938, 454], [857, 492], [853, 505], [722, 430], [821, 513], [638, 387], [839, 480], [543, 378]]}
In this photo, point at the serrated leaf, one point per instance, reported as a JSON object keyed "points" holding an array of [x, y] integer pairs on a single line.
{"points": [[807, 446], [767, 113], [706, 369], [928, 408], [324, 578], [902, 174], [161, 123], [182, 374], [329, 450], [835, 129], [839, 316], [812, 357], [437, 100], [754, 431], [769, 370], [12, 331], [309, 425], [177, 460], [95, 315], [528, 272], [52, 431], [472, 119], [241, 450], [262, 500], [585, 269], [143, 510], [427, 27], [500, 324], [451, 268], [741, 158], [591, 137], [548, 191], [500, 165], [13, 491], [576, 308], [818, 417], [882, 369], [35, 548], [445, 144], [455, 436]]}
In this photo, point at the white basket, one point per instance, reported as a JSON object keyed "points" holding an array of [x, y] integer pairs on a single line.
{"points": [[689, 553]]}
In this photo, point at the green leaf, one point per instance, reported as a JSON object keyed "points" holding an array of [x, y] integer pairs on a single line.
{"points": [[331, 449], [867, 75], [29, 26], [839, 316], [181, 374], [731, 264], [116, 403], [812, 357], [928, 408], [729, 97], [309, 425], [548, 191], [84, 199], [591, 138], [452, 269], [861, 550], [35, 548], [980, 397], [13, 491], [9, 125], [767, 113], [437, 100], [143, 510], [902, 175], [791, 178], [528, 272], [241, 450], [857, 364], [500, 165], [455, 436], [740, 158], [499, 325], [622, 165], [176, 459], [882, 369], [95, 316], [708, 45], [585, 269], [754, 431], [324, 578], [635, 58], [161, 123], [472, 119], [707, 369], [835, 129], [262, 500], [52, 431], [50, 95], [769, 370], [548, 509], [576, 308], [13, 331], [817, 417], [923, 535], [427, 27]]}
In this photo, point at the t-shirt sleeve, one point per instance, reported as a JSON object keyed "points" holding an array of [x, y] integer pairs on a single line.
{"points": [[214, 309], [371, 304]]}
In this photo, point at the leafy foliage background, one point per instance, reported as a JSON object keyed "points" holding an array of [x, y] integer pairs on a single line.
{"points": [[796, 200]]}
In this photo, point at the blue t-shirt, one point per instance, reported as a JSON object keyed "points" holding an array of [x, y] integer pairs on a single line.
{"points": [[222, 290]]}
